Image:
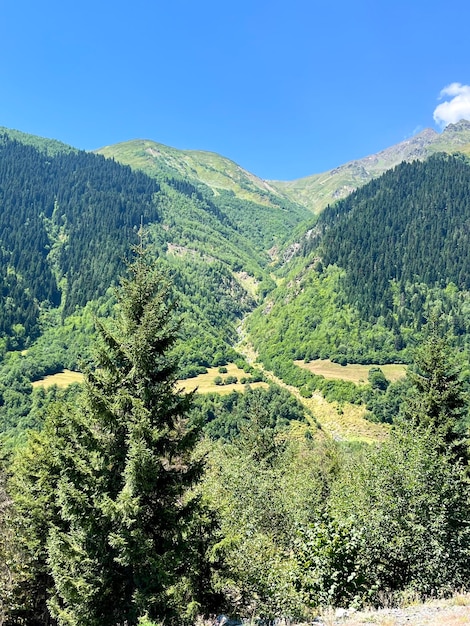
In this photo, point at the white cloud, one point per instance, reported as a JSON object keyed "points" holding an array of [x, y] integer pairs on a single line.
{"points": [[455, 108]]}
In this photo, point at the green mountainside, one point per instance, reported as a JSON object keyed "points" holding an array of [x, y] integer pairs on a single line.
{"points": [[411, 225], [373, 269], [257, 209], [69, 217], [128, 500], [356, 285], [215, 171], [319, 190], [68, 220], [49, 146]]}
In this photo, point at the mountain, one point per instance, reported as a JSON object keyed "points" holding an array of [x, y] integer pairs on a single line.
{"points": [[356, 285], [411, 225], [373, 269], [258, 210], [217, 172], [69, 218], [289, 517], [317, 191], [49, 146]]}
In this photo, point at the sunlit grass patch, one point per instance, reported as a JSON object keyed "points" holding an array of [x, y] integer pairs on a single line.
{"points": [[352, 372], [61, 379], [205, 382]]}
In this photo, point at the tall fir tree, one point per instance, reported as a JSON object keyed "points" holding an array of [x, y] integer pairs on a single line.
{"points": [[120, 468], [439, 400]]}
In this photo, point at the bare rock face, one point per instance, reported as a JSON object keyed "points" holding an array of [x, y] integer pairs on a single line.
{"points": [[458, 133]]}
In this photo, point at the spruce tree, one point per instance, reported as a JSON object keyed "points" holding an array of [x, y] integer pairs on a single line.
{"points": [[118, 550], [439, 401]]}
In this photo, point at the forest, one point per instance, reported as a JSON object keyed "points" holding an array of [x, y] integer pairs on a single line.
{"points": [[125, 499], [127, 505]]}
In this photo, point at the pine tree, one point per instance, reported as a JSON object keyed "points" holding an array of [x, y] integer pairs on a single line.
{"points": [[117, 551], [439, 400]]}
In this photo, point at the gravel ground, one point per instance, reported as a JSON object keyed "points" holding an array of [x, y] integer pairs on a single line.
{"points": [[452, 612]]}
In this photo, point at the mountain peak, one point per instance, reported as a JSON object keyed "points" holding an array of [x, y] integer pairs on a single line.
{"points": [[428, 133], [317, 191], [462, 127]]}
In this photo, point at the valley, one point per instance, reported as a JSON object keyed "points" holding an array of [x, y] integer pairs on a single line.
{"points": [[275, 419]]}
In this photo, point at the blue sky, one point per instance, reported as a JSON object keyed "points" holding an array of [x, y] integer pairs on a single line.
{"points": [[285, 89]]}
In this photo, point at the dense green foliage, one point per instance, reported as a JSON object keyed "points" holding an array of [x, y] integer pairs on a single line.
{"points": [[440, 399], [281, 521], [409, 502], [369, 273], [54, 228], [227, 416], [106, 539], [107, 512], [66, 222], [68, 218], [408, 226]]}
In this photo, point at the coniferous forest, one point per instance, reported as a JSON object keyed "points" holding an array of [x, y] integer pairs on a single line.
{"points": [[126, 499]]}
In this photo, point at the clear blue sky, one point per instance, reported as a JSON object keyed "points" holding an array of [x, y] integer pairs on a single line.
{"points": [[284, 88]]}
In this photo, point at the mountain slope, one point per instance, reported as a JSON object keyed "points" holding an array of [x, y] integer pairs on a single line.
{"points": [[319, 190], [49, 146], [411, 225], [261, 213], [215, 171], [68, 220], [374, 268]]}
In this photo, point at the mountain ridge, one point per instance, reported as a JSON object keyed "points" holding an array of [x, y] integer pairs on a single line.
{"points": [[218, 172], [224, 176], [318, 190]]}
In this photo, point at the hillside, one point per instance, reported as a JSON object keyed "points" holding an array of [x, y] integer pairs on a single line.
{"points": [[257, 209], [368, 276], [410, 226], [49, 146], [214, 170], [319, 190], [126, 500], [68, 220], [360, 283]]}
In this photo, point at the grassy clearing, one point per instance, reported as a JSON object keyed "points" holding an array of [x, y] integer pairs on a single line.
{"points": [[352, 372], [249, 283], [205, 382], [62, 379], [343, 423]]}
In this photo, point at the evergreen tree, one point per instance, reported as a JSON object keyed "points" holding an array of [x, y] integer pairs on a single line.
{"points": [[6, 548], [34, 476], [116, 544], [439, 400]]}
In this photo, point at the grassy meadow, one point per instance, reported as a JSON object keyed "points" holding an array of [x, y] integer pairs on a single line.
{"points": [[61, 379], [343, 423], [204, 383], [353, 373]]}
